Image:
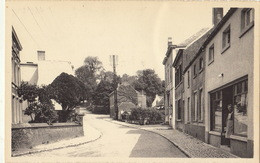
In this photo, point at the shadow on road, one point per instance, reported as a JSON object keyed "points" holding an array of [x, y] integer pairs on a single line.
{"points": [[153, 145]]}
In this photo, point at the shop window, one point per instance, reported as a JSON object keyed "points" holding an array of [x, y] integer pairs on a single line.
{"points": [[216, 111], [211, 53], [226, 38], [240, 108]]}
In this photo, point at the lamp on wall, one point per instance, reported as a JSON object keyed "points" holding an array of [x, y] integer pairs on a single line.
{"points": [[220, 75]]}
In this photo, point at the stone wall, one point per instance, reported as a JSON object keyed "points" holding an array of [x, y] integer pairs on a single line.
{"points": [[29, 135]]}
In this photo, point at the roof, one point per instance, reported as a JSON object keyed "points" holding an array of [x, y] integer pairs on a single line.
{"points": [[17, 39], [191, 52], [198, 47], [194, 37], [191, 43]]}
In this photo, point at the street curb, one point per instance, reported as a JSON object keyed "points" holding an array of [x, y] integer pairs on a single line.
{"points": [[51, 149], [181, 149]]}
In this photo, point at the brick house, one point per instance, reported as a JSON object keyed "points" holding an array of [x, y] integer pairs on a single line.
{"points": [[127, 98]]}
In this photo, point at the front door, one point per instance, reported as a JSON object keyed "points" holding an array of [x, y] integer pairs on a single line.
{"points": [[227, 96]]}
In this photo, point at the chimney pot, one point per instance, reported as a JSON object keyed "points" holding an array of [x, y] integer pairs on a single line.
{"points": [[169, 41], [41, 55]]}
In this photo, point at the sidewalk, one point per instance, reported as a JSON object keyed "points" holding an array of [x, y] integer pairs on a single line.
{"points": [[95, 134], [191, 146]]}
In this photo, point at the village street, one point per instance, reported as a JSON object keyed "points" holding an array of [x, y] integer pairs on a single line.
{"points": [[117, 141]]}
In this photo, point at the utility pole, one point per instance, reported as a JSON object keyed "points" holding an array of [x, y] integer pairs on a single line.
{"points": [[114, 57]]}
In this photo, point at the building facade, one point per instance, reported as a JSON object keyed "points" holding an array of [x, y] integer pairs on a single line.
{"points": [[16, 79], [127, 98], [229, 81]]}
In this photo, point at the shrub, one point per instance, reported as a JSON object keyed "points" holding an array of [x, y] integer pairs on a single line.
{"points": [[148, 114]]}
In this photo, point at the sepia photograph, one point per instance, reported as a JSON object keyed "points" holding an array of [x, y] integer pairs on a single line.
{"points": [[131, 81]]}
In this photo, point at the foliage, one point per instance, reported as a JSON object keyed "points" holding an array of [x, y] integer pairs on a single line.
{"points": [[43, 112], [68, 91], [149, 114], [40, 108], [103, 90], [90, 74], [128, 79], [28, 91], [148, 81]]}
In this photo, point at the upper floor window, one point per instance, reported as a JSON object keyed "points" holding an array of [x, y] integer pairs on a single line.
{"points": [[247, 17], [188, 82], [226, 38], [201, 63], [178, 75], [194, 70], [211, 53]]}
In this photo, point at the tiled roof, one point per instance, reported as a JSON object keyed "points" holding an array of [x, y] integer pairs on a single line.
{"points": [[190, 52], [194, 37]]}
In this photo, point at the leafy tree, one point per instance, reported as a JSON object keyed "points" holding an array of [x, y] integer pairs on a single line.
{"points": [[148, 81], [103, 90], [28, 91], [40, 108], [68, 91], [128, 79], [90, 74]]}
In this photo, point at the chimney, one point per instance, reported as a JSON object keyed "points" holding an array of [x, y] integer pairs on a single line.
{"points": [[169, 41], [41, 55], [217, 15]]}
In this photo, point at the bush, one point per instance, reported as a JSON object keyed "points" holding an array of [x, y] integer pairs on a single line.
{"points": [[147, 115], [43, 113]]}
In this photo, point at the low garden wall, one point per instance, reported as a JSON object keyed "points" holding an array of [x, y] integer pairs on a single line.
{"points": [[28, 135]]}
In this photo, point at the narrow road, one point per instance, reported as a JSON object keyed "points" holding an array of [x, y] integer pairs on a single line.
{"points": [[118, 141]]}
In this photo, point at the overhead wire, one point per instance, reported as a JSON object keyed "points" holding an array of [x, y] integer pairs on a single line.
{"points": [[26, 29]]}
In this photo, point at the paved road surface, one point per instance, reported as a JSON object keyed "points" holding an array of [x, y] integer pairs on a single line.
{"points": [[118, 141]]}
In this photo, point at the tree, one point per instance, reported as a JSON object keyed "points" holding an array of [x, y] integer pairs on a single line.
{"points": [[90, 74], [128, 79], [148, 81], [39, 103], [28, 91], [68, 91], [103, 90]]}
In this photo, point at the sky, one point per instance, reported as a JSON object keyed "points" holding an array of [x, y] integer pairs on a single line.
{"points": [[135, 31]]}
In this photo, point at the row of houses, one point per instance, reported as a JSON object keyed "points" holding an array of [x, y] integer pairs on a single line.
{"points": [[209, 71], [43, 72]]}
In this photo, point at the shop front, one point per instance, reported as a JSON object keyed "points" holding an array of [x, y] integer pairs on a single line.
{"points": [[228, 116]]}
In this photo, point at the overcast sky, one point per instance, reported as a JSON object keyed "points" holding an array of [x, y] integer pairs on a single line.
{"points": [[135, 31]]}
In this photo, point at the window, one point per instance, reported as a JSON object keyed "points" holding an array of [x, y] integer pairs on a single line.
{"points": [[178, 75], [201, 63], [194, 71], [216, 111], [240, 108], [200, 108], [188, 110], [211, 53], [179, 109], [226, 38], [188, 82], [195, 106], [247, 18]]}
